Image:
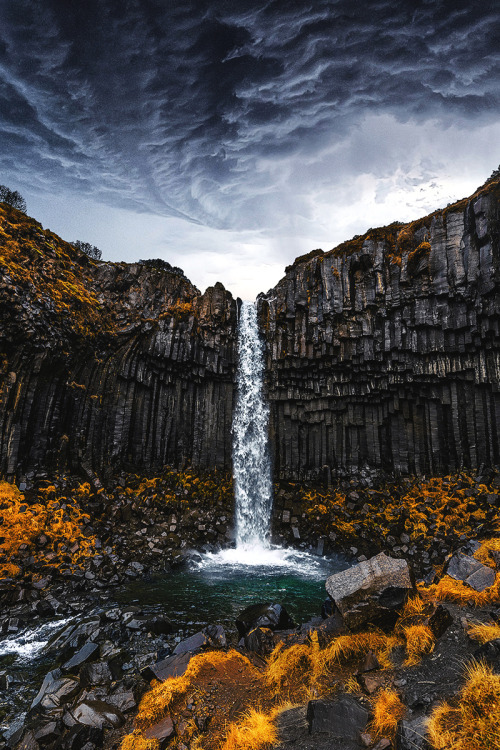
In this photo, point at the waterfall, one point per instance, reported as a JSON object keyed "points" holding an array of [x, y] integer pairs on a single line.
{"points": [[251, 463]]}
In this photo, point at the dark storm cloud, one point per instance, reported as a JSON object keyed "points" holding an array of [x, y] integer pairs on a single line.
{"points": [[195, 109]]}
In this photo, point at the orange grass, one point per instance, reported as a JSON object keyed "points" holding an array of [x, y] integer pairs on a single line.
{"points": [[21, 523], [255, 731], [419, 641], [300, 663], [484, 632], [448, 589], [354, 645], [388, 710], [157, 701], [135, 741], [473, 721]]}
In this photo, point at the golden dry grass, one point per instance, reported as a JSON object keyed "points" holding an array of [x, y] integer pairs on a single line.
{"points": [[296, 670], [484, 632], [355, 645], [473, 721], [135, 741], [419, 641], [388, 710], [255, 731], [448, 589]]}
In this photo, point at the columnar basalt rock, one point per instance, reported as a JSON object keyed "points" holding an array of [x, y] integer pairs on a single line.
{"points": [[108, 366], [384, 352]]}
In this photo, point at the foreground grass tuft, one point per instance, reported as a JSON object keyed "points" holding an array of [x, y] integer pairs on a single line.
{"points": [[472, 722]]}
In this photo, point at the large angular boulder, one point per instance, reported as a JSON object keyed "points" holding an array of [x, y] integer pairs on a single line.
{"points": [[55, 691], [374, 591], [473, 573], [272, 616]]}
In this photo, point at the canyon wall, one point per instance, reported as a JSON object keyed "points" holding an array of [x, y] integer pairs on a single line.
{"points": [[106, 367], [383, 353]]}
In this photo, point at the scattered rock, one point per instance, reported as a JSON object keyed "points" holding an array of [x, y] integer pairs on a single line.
{"points": [[98, 714], [411, 735], [260, 641], [163, 731], [172, 666], [272, 616], [85, 654], [343, 719]]}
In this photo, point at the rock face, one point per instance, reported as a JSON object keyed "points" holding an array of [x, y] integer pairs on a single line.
{"points": [[108, 366], [384, 352]]}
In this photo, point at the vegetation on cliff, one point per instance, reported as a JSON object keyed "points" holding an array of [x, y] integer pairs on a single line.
{"points": [[47, 533]]}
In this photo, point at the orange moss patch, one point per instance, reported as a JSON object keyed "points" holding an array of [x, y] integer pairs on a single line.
{"points": [[177, 489], [22, 523], [420, 508], [484, 632], [472, 720]]}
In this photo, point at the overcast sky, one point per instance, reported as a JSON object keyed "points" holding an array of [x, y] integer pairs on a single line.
{"points": [[230, 136]]}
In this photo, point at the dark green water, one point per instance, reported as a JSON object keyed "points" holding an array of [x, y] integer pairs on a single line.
{"points": [[216, 593]]}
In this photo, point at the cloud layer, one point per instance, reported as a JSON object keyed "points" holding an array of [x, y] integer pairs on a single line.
{"points": [[244, 117]]}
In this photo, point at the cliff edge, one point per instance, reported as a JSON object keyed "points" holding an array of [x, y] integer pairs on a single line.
{"points": [[384, 353]]}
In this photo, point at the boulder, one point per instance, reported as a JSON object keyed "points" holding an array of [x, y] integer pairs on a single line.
{"points": [[213, 636], [489, 652], [87, 652], [373, 591], [163, 731], [272, 616], [48, 733], [80, 735], [172, 666], [411, 735], [98, 714], [97, 673], [343, 719], [466, 568], [55, 691], [440, 620], [260, 641]]}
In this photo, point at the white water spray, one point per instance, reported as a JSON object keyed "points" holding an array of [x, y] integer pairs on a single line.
{"points": [[251, 463]]}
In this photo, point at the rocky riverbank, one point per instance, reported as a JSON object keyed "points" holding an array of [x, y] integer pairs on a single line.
{"points": [[368, 672], [137, 526]]}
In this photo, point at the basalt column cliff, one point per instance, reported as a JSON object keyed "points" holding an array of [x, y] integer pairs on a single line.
{"points": [[108, 366], [384, 352]]}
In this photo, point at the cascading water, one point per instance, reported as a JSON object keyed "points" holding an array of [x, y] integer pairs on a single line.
{"points": [[252, 478], [251, 464]]}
